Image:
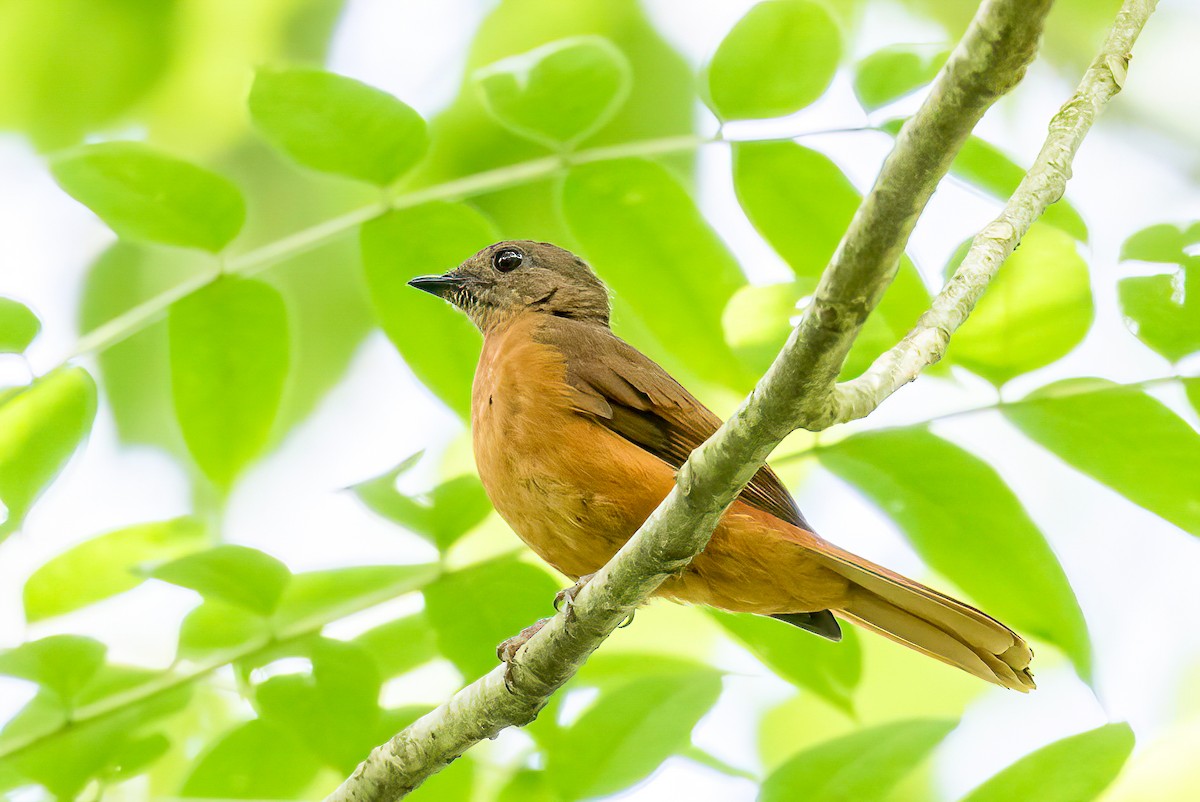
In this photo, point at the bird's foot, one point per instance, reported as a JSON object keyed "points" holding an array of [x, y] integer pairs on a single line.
{"points": [[564, 600], [507, 650]]}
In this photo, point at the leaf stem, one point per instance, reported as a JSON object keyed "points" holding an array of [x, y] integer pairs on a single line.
{"points": [[259, 259]]}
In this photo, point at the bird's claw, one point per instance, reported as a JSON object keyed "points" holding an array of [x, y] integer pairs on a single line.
{"points": [[564, 600], [507, 650]]}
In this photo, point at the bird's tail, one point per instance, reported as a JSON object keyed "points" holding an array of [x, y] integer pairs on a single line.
{"points": [[930, 622]]}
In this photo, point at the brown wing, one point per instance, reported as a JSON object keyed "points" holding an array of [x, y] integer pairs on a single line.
{"points": [[631, 395]]}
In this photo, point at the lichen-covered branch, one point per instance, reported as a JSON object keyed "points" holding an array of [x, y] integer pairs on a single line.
{"points": [[1043, 185], [799, 390]]}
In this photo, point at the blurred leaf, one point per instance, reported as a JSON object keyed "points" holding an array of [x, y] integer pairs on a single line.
{"points": [[138, 755], [437, 342], [229, 360], [60, 664], [1036, 310], [1074, 769], [474, 609], [257, 760], [984, 166], [802, 204], [643, 233], [320, 594], [401, 645], [468, 140], [134, 374], [241, 576], [105, 565], [1192, 388], [18, 326], [1164, 242], [144, 194], [830, 670], [336, 124], [40, 428], [797, 198], [629, 732], [759, 319], [1164, 310], [1122, 437], [557, 94], [894, 71], [528, 785], [441, 516], [215, 627], [779, 58], [863, 766], [335, 710], [64, 761], [968, 526], [72, 66]]}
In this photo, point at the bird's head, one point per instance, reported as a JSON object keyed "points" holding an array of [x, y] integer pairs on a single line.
{"points": [[517, 276]]}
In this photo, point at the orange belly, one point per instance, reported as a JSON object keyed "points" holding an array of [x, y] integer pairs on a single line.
{"points": [[575, 491]]}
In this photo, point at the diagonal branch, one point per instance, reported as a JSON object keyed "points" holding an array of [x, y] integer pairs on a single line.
{"points": [[1044, 184], [798, 390]]}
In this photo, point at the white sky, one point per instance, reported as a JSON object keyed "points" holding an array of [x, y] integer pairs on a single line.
{"points": [[1124, 179]]}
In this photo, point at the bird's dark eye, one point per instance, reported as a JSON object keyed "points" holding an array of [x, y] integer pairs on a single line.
{"points": [[507, 259]]}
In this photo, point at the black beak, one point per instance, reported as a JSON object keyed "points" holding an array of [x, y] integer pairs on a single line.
{"points": [[441, 286]]}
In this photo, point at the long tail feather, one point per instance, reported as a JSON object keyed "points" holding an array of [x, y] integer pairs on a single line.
{"points": [[930, 622]]}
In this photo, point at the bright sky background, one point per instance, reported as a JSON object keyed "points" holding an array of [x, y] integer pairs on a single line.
{"points": [[1124, 179]]}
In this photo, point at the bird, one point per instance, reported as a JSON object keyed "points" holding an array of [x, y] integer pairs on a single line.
{"points": [[578, 436]]}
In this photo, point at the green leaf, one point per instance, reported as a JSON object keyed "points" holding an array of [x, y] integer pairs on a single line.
{"points": [[830, 670], [1163, 310], [1074, 769], [40, 428], [229, 359], [779, 58], [323, 593], [629, 732], [336, 124], [256, 760], [864, 766], [60, 664], [802, 203], [643, 233], [759, 319], [463, 608], [241, 576], [18, 326], [335, 710], [65, 759], [797, 198], [106, 565], [1122, 437], [968, 526], [71, 67], [528, 785], [134, 374], [216, 627], [437, 342], [986, 167], [441, 516], [400, 646], [892, 72], [1036, 310], [557, 94], [143, 194], [1164, 242]]}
